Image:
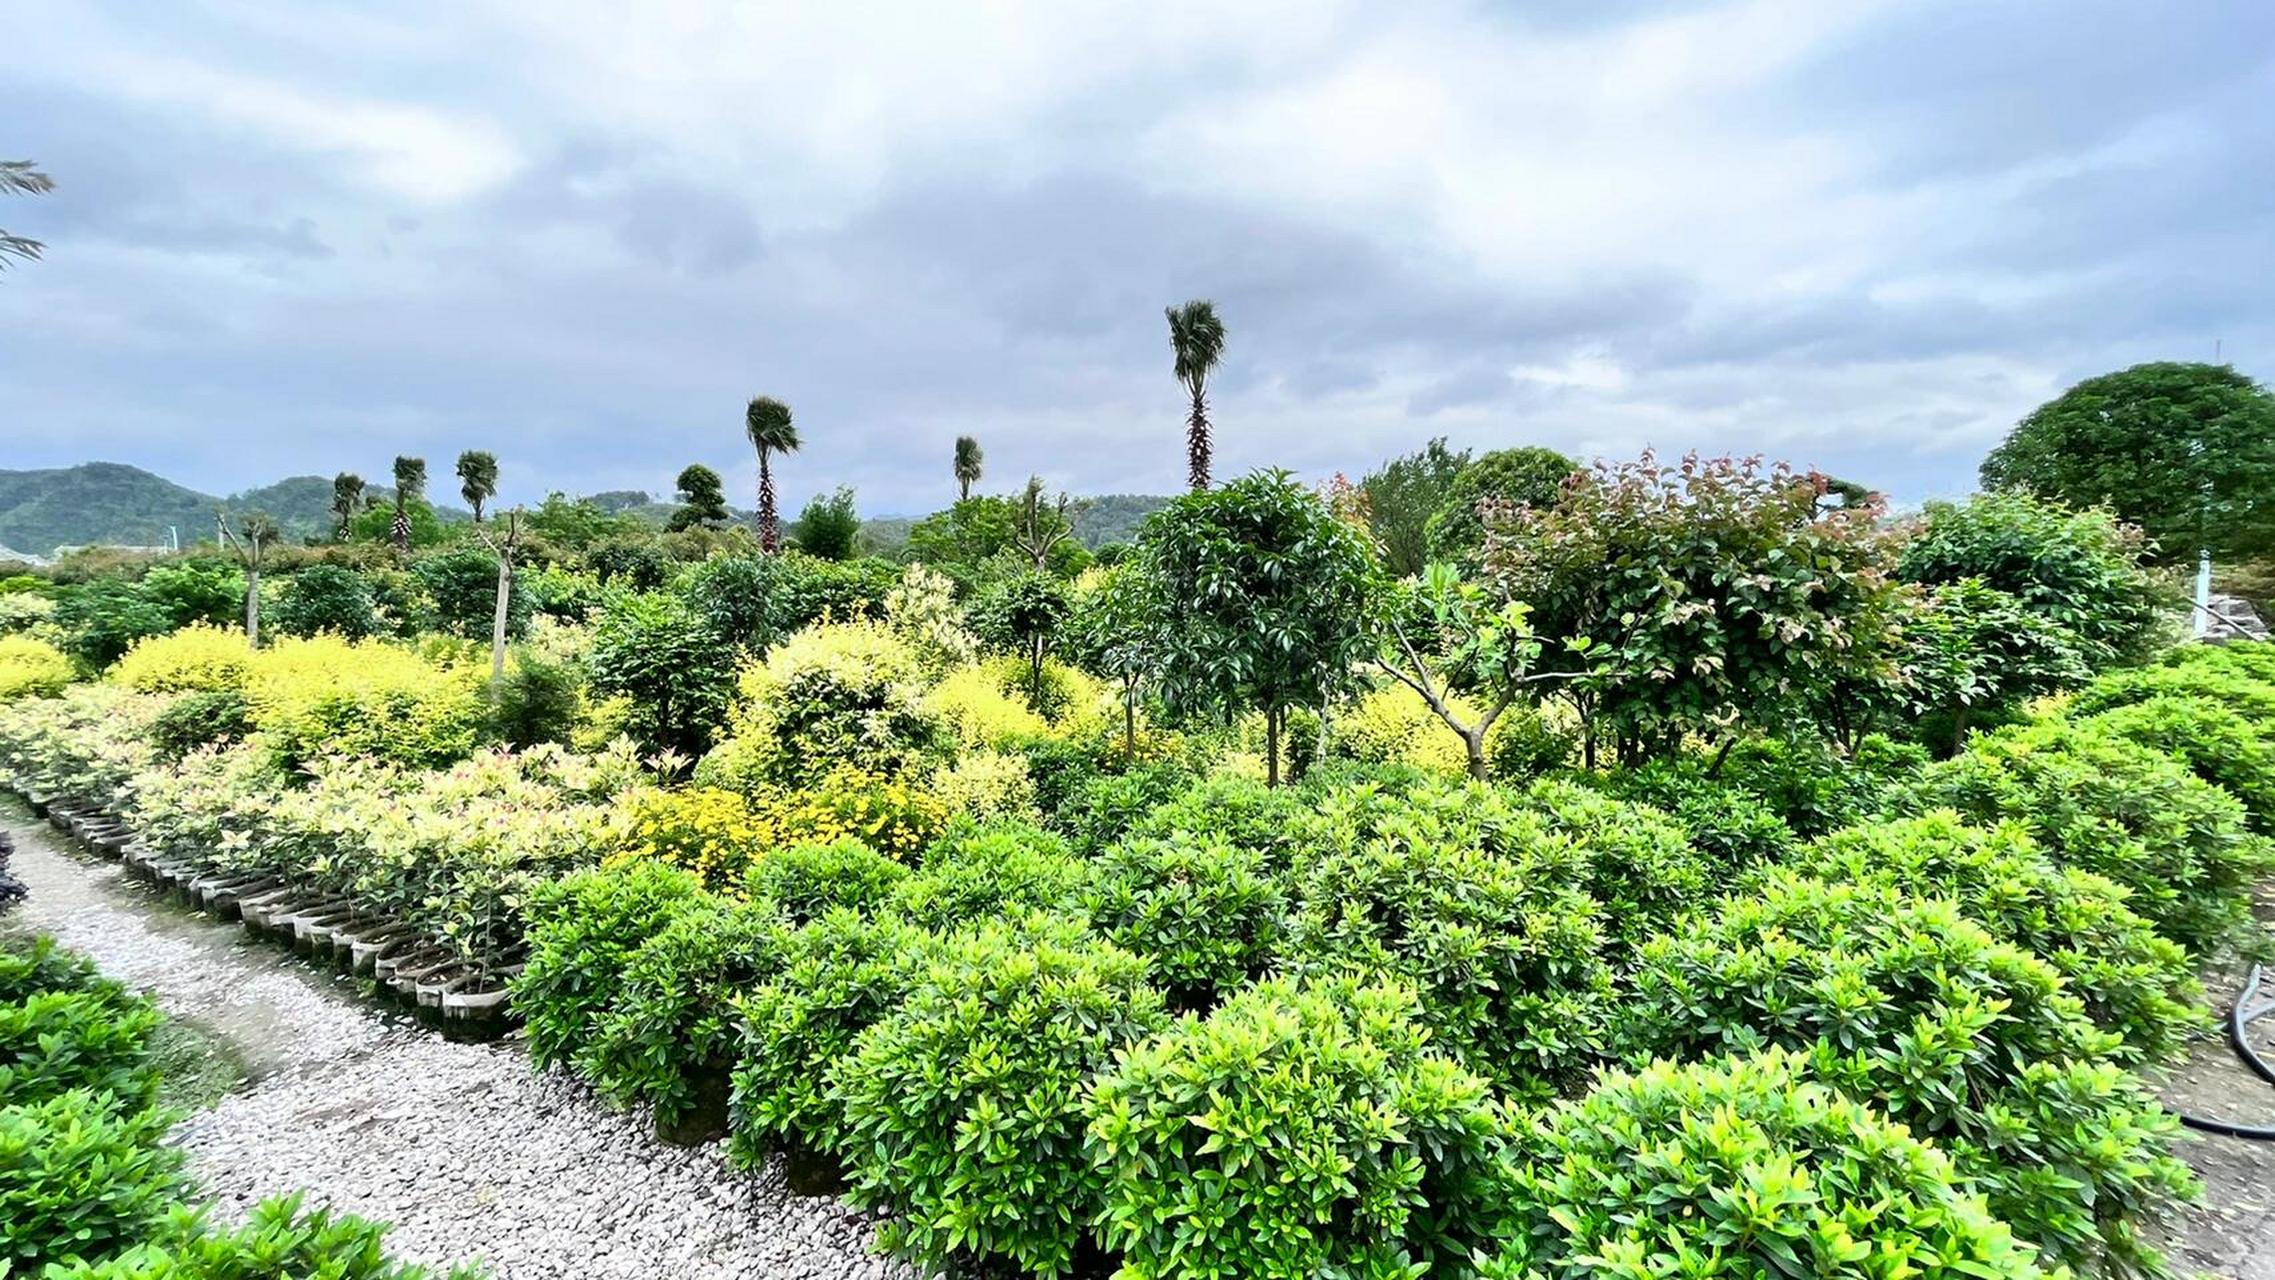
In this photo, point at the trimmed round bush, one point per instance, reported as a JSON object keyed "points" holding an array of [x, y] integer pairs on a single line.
{"points": [[840, 975], [2219, 744], [964, 1106], [1240, 811], [195, 720], [196, 659], [31, 668], [1297, 1131], [1209, 915], [1971, 1042], [1475, 902], [983, 872], [584, 929], [278, 1239], [1641, 866], [1743, 1168], [806, 881], [667, 1026], [1734, 828], [2132, 980], [2101, 803]]}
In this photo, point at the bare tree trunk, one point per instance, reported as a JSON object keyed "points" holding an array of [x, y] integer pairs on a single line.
{"points": [[1958, 730], [253, 606], [1271, 747], [1197, 443], [498, 623], [1129, 721], [1473, 741]]}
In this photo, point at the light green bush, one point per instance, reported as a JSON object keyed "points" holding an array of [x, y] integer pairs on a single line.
{"points": [[1210, 915]]}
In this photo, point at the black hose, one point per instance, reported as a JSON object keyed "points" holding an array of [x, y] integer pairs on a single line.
{"points": [[2241, 1014]]}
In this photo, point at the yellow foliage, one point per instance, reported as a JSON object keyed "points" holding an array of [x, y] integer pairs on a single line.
{"points": [[720, 834], [987, 785], [31, 668], [710, 832], [198, 658], [975, 705], [323, 695], [1393, 725], [834, 695]]}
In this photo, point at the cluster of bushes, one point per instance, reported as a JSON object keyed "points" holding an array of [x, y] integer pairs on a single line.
{"points": [[89, 1190]]}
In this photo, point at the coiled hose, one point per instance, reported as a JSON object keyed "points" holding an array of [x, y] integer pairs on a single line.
{"points": [[2240, 1017]]}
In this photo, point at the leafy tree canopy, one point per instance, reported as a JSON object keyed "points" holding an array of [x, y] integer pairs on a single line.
{"points": [[1403, 494], [2185, 451], [829, 526], [1527, 476]]}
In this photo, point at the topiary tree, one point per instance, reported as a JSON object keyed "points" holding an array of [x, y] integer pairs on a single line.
{"points": [[1741, 1167], [703, 499], [1258, 598], [964, 1107], [1699, 601], [477, 479], [1972, 650], [1299, 1131], [1507, 478], [655, 651], [2080, 570], [2184, 451]]}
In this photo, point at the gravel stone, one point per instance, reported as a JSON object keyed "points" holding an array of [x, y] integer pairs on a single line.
{"points": [[471, 1154]]}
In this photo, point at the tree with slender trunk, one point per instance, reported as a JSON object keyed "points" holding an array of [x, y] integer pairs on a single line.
{"points": [[477, 479], [766, 421], [410, 486], [1196, 335], [251, 541], [504, 548], [20, 178], [967, 466], [347, 499]]}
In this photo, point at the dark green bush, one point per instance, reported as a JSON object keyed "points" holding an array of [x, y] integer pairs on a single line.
{"points": [[325, 597], [81, 1177], [1470, 898], [1742, 1168], [2132, 980], [1971, 1042], [840, 975], [808, 880], [1101, 810], [677, 673], [57, 1041], [1237, 810], [668, 1023], [973, 874], [1298, 1131], [29, 969], [584, 929], [963, 1107], [2101, 803], [1208, 914], [195, 720], [1641, 866], [1733, 827], [102, 619], [538, 701]]}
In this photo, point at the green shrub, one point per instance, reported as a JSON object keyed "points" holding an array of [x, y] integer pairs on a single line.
{"points": [[195, 720], [324, 597], [1476, 903], [40, 966], [1813, 788], [1099, 811], [1741, 1168], [538, 701], [2222, 746], [806, 881], [662, 656], [840, 975], [1298, 1131], [2231, 684], [977, 873], [1523, 744], [194, 591], [278, 1242], [963, 1107], [1208, 914], [81, 1178], [57, 1041], [1971, 1042], [2132, 980], [462, 591], [102, 619], [668, 1024], [1641, 866], [584, 928], [2101, 803], [1734, 828], [1240, 811]]}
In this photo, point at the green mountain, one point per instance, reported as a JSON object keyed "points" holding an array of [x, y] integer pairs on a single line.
{"points": [[1114, 518], [112, 503]]}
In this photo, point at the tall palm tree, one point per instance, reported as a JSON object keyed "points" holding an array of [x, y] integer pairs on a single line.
{"points": [[20, 178], [410, 486], [1197, 337], [967, 466], [347, 499], [478, 478], [766, 421]]}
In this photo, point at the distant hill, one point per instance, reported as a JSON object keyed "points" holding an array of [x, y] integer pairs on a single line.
{"points": [[112, 503], [1114, 518]]}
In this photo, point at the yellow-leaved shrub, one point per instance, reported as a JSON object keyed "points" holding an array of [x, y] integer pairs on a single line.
{"points": [[199, 658], [322, 695], [979, 710], [835, 695], [1391, 724], [987, 785], [31, 668]]}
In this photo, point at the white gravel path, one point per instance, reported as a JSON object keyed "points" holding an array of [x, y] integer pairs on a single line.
{"points": [[471, 1154]]}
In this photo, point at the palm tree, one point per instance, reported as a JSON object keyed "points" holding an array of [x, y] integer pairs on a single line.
{"points": [[1197, 336], [967, 466], [19, 178], [347, 499], [410, 485], [767, 422], [478, 478]]}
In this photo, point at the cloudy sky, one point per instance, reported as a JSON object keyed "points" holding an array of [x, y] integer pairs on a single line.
{"points": [[293, 236]]}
